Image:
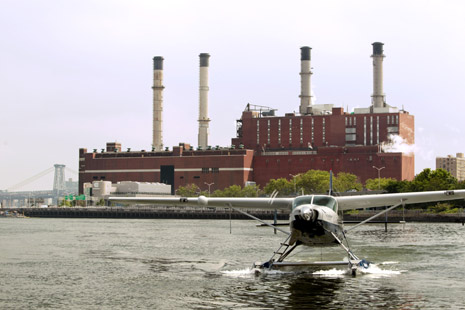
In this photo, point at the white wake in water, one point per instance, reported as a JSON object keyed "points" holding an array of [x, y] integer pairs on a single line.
{"points": [[242, 273], [372, 270], [375, 270]]}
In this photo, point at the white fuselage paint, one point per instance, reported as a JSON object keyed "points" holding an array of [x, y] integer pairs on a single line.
{"points": [[313, 225]]}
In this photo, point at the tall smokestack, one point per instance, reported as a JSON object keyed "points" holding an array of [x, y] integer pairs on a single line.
{"points": [[158, 87], [203, 101], [378, 56], [305, 73]]}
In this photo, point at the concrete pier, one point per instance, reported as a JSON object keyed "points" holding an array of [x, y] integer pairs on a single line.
{"points": [[143, 212]]}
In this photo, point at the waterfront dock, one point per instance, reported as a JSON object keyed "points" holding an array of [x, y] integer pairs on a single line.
{"points": [[157, 212], [144, 213]]}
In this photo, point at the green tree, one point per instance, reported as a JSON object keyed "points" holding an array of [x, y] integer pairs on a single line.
{"points": [[313, 181], [65, 203], [375, 184], [443, 207], [346, 181], [433, 180], [251, 191], [282, 185], [231, 191], [237, 191], [427, 180], [190, 190], [395, 186], [460, 185]]}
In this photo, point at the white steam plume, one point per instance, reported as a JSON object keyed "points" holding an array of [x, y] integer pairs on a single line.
{"points": [[397, 144]]}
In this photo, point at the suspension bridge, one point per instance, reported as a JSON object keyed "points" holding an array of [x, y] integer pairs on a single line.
{"points": [[13, 197]]}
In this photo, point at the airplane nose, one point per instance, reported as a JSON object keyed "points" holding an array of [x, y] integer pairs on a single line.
{"points": [[309, 215]]}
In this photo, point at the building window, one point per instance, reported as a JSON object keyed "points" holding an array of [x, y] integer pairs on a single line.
{"points": [[215, 170], [290, 131], [371, 130], [205, 170], [313, 131], [324, 130], [279, 131], [301, 131], [364, 130], [269, 131], [258, 132]]}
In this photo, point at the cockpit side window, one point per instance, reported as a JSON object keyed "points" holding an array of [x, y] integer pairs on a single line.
{"points": [[326, 201], [304, 200]]}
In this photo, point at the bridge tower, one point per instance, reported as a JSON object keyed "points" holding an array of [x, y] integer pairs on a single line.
{"points": [[59, 179]]}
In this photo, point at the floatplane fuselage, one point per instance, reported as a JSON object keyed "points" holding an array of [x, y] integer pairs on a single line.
{"points": [[314, 219]]}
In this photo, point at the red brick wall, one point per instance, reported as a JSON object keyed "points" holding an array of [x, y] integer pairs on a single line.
{"points": [[334, 128], [234, 167], [356, 160]]}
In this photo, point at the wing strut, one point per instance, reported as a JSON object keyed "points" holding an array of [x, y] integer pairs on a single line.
{"points": [[376, 215], [261, 221]]}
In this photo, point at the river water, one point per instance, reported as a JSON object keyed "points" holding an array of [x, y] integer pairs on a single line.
{"points": [[199, 264]]}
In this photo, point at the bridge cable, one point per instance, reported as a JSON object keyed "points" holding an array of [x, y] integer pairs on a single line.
{"points": [[31, 179]]}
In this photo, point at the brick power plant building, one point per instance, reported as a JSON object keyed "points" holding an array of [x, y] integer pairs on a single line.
{"points": [[267, 146]]}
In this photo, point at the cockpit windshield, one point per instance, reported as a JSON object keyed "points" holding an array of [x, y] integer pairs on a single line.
{"points": [[319, 200]]}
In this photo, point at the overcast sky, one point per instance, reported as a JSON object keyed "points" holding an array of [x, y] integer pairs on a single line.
{"points": [[78, 74]]}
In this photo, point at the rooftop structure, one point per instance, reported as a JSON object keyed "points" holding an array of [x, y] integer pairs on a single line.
{"points": [[103, 189]]}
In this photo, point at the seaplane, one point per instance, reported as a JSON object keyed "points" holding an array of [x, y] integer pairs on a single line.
{"points": [[314, 220]]}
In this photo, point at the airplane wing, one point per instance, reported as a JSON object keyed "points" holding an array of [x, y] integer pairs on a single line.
{"points": [[380, 200], [202, 201]]}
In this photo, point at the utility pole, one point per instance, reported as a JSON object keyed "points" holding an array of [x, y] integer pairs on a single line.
{"points": [[209, 184], [293, 178], [379, 188], [379, 176]]}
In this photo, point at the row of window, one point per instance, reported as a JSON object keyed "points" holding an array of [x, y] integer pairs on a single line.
{"points": [[290, 131], [391, 120]]}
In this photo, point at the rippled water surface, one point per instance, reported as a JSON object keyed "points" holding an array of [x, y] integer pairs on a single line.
{"points": [[198, 264]]}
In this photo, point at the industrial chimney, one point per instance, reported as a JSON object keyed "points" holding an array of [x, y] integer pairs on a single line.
{"points": [[378, 95], [305, 73], [203, 101], [158, 87]]}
